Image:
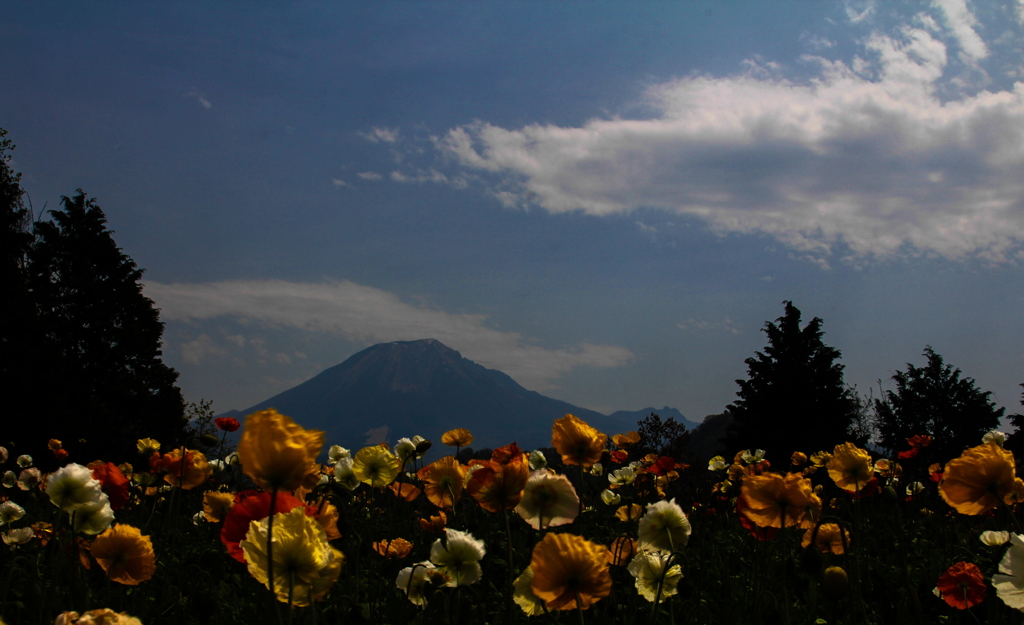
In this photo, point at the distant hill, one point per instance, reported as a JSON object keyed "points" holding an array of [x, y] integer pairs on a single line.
{"points": [[635, 416], [405, 388]]}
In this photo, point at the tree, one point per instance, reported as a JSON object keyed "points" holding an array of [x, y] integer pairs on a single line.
{"points": [[794, 397], [109, 386], [20, 352], [934, 400], [1015, 441], [665, 438]]}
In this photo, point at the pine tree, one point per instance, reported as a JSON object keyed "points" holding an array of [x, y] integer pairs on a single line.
{"points": [[109, 386], [934, 400], [794, 398]]}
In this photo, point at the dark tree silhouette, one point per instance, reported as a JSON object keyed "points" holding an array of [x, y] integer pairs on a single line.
{"points": [[109, 386], [794, 397], [20, 349], [1015, 441], [665, 438], [934, 400]]}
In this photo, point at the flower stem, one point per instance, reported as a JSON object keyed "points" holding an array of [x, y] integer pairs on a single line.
{"points": [[579, 606], [270, 542]]}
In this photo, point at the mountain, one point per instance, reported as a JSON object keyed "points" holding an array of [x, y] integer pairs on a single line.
{"points": [[635, 416], [405, 388]]}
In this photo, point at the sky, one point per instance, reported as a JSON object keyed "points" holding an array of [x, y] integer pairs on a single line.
{"points": [[605, 200]]}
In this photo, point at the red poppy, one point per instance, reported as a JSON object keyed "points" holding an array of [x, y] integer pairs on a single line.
{"points": [[251, 506], [228, 424], [962, 586], [919, 440], [662, 466], [112, 481], [907, 455], [619, 456], [870, 488]]}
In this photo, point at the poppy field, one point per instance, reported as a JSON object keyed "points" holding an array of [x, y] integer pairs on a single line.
{"points": [[583, 532]]}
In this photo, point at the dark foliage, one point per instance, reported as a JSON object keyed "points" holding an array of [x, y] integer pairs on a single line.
{"points": [[934, 400], [664, 438], [1015, 442], [794, 397], [106, 384]]}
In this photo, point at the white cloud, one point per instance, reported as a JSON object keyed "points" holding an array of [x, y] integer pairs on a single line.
{"points": [[369, 175], [429, 175], [725, 325], [961, 22], [198, 95], [865, 156], [202, 347], [339, 183], [378, 135], [369, 315]]}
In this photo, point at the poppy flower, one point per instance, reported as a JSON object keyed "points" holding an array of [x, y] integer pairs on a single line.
{"points": [[548, 501], [625, 440], [303, 559], [537, 460], [457, 438], [621, 551], [829, 539], [577, 442], [420, 580], [1009, 581], [125, 554], [112, 481], [664, 527], [443, 481], [649, 570], [405, 491], [622, 477], [216, 505], [195, 472], [434, 524], [104, 616], [499, 484], [375, 466], [523, 594], [978, 480], [619, 456], [458, 557], [1016, 494], [10, 512], [962, 586], [761, 533], [850, 467], [773, 500], [29, 478], [566, 567], [919, 440], [396, 548], [251, 506], [610, 498], [907, 455], [632, 512], [227, 424], [276, 452], [72, 487]]}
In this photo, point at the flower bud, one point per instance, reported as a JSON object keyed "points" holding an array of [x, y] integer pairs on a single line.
{"points": [[835, 583]]}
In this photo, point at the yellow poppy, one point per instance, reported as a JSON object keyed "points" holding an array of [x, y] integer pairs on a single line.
{"points": [[632, 512], [276, 452], [577, 442], [457, 438], [125, 554], [625, 440], [773, 500], [850, 467], [566, 567], [216, 505], [443, 481], [375, 466], [302, 556], [979, 479], [195, 473]]}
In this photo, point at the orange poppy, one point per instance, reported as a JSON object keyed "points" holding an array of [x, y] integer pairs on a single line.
{"points": [[498, 485], [622, 551], [457, 438], [397, 548], [566, 567], [979, 479], [850, 467], [962, 586], [443, 481], [625, 440], [632, 512], [829, 538], [435, 523], [125, 554], [405, 491], [276, 452], [195, 472], [217, 505], [773, 500], [578, 443], [112, 481]]}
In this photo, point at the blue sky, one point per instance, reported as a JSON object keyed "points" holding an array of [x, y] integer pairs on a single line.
{"points": [[605, 200]]}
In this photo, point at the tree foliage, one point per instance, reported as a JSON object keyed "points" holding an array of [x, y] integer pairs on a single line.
{"points": [[794, 397], [934, 400], [665, 438]]}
